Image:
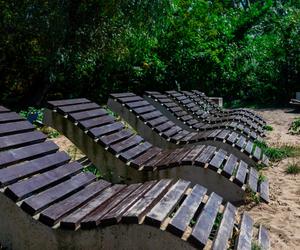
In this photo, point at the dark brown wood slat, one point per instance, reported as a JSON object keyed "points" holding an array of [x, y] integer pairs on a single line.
{"points": [[232, 137], [73, 220], [126, 144], [165, 126], [88, 114], [246, 231], [205, 222], [25, 188], [263, 238], [170, 104], [137, 104], [20, 140], [26, 153], [186, 118], [192, 155], [257, 153], [115, 137], [3, 109], [176, 138], [241, 173], [230, 166], [226, 228], [188, 137], [186, 211], [205, 155], [143, 110], [130, 99], [163, 154], [10, 117], [96, 122], [218, 159], [149, 200], [77, 108], [150, 115], [241, 142], [166, 205], [54, 104], [38, 202], [106, 129], [118, 95], [176, 160], [12, 174], [157, 121], [94, 219], [264, 190], [249, 147], [223, 134], [54, 213], [145, 157], [165, 161], [135, 151], [253, 179], [175, 109], [115, 215], [172, 131], [214, 133], [15, 127]]}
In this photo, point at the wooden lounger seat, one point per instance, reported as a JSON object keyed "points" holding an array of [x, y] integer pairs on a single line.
{"points": [[158, 128], [295, 103], [214, 108], [196, 119], [49, 202], [122, 155], [195, 108]]}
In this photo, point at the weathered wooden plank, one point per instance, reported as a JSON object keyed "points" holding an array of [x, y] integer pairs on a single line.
{"points": [[20, 140], [145, 157], [192, 155], [150, 115], [264, 190], [186, 211], [135, 151], [253, 179], [54, 104], [241, 173], [96, 122], [205, 155], [26, 188], [137, 104], [38, 202], [249, 147], [134, 98], [232, 137], [214, 133], [15, 127], [26, 153], [54, 213], [10, 117], [12, 174], [172, 131], [77, 108], [164, 126], [115, 137], [205, 222], [218, 159], [241, 142], [118, 95], [230, 166], [157, 121], [166, 205], [3, 109], [123, 145], [87, 114], [82, 215], [106, 129], [226, 227], [115, 214], [263, 238], [224, 133], [246, 231], [143, 110], [257, 153], [139, 209]]}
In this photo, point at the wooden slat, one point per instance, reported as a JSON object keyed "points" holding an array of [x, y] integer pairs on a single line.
{"points": [[77, 108], [205, 222], [166, 205], [135, 151], [25, 188], [145, 157], [115, 137], [205, 155], [246, 231], [241, 141], [25, 153], [54, 213], [96, 122], [38, 202], [241, 173], [249, 147], [20, 140], [130, 99], [118, 95], [12, 174], [15, 127], [186, 211], [137, 104], [232, 138], [223, 134], [53, 104], [88, 114], [157, 121], [128, 143], [82, 214], [10, 117], [143, 110], [106, 129], [3, 109], [225, 229], [229, 166], [139, 209], [253, 179], [264, 190], [218, 159], [151, 115], [257, 153], [192, 155], [263, 238]]}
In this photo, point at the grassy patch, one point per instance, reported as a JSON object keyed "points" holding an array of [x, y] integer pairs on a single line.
{"points": [[50, 132], [251, 196], [255, 246], [293, 169], [268, 128], [92, 168], [216, 226], [295, 127]]}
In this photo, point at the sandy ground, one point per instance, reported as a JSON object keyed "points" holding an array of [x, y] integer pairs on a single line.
{"points": [[282, 215]]}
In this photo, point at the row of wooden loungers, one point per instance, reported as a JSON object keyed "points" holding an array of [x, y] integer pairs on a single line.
{"points": [[125, 156], [161, 128], [295, 103], [193, 116], [48, 202], [200, 97]]}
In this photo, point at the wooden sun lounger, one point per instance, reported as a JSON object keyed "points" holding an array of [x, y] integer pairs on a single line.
{"points": [[49, 202], [193, 104], [295, 103], [201, 97], [196, 118], [166, 131], [122, 155]]}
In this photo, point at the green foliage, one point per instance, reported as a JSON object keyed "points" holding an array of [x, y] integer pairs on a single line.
{"points": [[293, 169], [277, 154], [31, 111], [93, 169], [295, 126], [216, 226], [255, 246], [268, 128], [55, 49]]}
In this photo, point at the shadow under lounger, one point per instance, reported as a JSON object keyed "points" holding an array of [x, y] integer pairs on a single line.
{"points": [[123, 156], [195, 118], [164, 130], [49, 202], [200, 97]]}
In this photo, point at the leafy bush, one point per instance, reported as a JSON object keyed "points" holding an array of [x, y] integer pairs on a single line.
{"points": [[295, 126], [33, 114], [268, 128]]}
